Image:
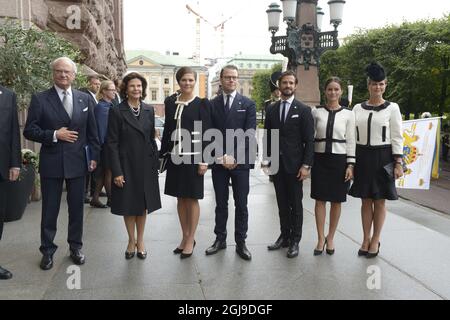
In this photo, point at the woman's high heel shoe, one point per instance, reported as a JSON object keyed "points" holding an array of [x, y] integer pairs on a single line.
{"points": [[330, 251], [129, 255], [142, 255], [178, 250], [371, 255], [187, 255], [319, 252]]}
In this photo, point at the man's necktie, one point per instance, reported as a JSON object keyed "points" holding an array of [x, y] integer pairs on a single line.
{"points": [[227, 105], [67, 104], [283, 113]]}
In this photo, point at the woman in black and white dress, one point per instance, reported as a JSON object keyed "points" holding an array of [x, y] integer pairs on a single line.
{"points": [[379, 152], [183, 141], [334, 159]]}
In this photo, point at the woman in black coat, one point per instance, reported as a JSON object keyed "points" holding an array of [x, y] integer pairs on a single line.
{"points": [[134, 161]]}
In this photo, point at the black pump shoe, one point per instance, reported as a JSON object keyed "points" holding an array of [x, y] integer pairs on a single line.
{"points": [[178, 250], [129, 255], [142, 255], [371, 255], [319, 252]]}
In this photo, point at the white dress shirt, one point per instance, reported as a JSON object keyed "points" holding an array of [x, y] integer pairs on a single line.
{"points": [[61, 97], [232, 96], [288, 107]]}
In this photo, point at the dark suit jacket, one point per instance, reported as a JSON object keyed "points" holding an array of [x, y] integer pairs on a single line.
{"points": [[296, 138], [101, 113], [10, 153], [242, 115], [45, 115]]}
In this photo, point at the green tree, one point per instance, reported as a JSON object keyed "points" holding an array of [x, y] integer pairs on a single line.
{"points": [[25, 57], [416, 56], [261, 89]]}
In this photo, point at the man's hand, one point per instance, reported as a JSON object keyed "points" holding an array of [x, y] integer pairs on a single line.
{"points": [[119, 181], [202, 168], [92, 165], [303, 173], [13, 174], [66, 135], [229, 162]]}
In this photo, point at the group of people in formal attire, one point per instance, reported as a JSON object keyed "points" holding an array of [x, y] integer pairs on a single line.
{"points": [[331, 143]]}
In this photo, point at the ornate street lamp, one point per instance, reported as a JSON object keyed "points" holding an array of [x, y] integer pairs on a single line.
{"points": [[304, 43]]}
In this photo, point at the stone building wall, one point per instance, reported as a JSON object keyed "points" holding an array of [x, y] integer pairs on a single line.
{"points": [[98, 33]]}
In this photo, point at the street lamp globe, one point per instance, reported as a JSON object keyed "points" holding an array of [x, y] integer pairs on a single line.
{"points": [[273, 14], [336, 12], [289, 9], [320, 15]]}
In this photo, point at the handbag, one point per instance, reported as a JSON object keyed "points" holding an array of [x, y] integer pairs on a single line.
{"points": [[163, 162], [389, 170]]}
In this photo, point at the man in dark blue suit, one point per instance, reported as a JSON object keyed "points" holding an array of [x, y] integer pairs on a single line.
{"points": [[234, 114], [10, 155], [62, 120]]}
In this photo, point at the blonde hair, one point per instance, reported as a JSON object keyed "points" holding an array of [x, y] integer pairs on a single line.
{"points": [[105, 84]]}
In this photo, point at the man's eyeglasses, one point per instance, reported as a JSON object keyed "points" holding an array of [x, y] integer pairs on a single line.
{"points": [[229, 78]]}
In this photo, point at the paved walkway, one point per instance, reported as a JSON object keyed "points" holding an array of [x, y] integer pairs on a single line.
{"points": [[414, 261]]}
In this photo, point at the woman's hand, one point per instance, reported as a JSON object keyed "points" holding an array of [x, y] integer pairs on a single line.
{"points": [[398, 170], [202, 168], [119, 181], [349, 173]]}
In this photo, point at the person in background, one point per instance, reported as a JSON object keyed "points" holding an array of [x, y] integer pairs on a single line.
{"points": [[105, 96], [379, 152], [334, 159]]}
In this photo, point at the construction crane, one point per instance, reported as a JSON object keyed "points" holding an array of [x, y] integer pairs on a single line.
{"points": [[218, 28]]}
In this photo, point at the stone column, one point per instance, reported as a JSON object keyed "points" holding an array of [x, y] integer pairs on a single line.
{"points": [[308, 86]]}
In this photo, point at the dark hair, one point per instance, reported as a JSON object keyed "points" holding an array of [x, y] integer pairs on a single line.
{"points": [[94, 76], [288, 73], [128, 78], [229, 67], [333, 79], [185, 70]]}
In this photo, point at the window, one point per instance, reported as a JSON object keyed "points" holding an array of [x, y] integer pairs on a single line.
{"points": [[153, 95], [241, 65], [166, 93], [166, 81], [250, 66], [258, 66]]}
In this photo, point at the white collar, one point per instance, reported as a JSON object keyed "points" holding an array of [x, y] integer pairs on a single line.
{"points": [[60, 91], [289, 101], [233, 94]]}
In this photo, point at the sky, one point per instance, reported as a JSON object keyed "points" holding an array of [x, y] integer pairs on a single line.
{"points": [[166, 25]]}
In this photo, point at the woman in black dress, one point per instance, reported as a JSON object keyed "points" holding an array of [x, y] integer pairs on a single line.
{"points": [[379, 152], [134, 161], [334, 159], [185, 166]]}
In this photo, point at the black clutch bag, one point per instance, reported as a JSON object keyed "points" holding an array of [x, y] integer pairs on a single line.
{"points": [[389, 170], [163, 163]]}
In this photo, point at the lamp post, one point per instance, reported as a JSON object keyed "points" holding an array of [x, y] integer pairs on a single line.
{"points": [[304, 42]]}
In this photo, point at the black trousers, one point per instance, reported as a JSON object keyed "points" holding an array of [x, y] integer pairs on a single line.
{"points": [[289, 193], [3, 185], [241, 187], [51, 201]]}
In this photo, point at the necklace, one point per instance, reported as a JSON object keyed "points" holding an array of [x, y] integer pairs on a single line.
{"points": [[135, 110]]}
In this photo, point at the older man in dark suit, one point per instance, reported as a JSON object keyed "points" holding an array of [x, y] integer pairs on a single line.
{"points": [[10, 155], [295, 123], [62, 120], [235, 114]]}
